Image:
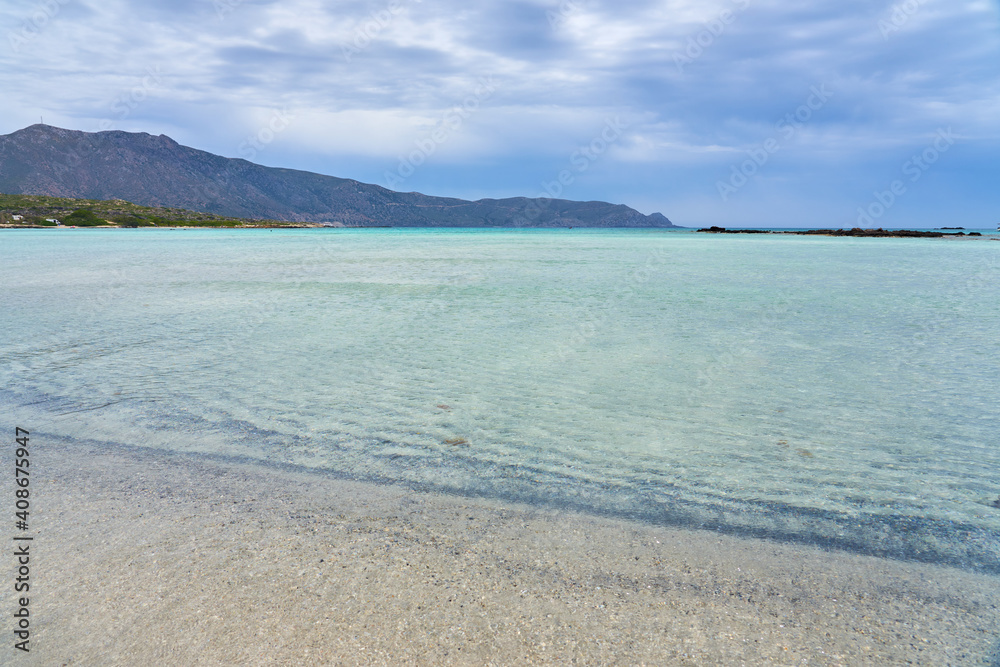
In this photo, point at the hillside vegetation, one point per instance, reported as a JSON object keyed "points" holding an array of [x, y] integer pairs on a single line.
{"points": [[36, 210]]}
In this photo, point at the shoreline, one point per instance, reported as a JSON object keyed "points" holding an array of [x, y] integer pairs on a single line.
{"points": [[847, 233], [303, 225], [148, 556]]}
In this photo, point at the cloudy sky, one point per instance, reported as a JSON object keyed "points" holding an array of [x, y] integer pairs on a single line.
{"points": [[731, 112]]}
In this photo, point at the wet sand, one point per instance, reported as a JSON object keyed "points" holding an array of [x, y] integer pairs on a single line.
{"points": [[144, 558]]}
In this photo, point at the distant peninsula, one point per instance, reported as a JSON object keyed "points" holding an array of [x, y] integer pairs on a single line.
{"points": [[156, 171]]}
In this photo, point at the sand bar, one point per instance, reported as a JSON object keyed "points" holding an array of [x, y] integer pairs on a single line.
{"points": [[148, 558]]}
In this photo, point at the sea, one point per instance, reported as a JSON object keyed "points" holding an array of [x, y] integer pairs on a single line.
{"points": [[842, 392]]}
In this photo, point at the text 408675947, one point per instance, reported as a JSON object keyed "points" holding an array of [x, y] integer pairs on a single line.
{"points": [[22, 549]]}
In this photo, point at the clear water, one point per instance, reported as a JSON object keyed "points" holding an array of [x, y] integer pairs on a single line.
{"points": [[837, 391]]}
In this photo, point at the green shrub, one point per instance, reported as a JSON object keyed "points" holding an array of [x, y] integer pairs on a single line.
{"points": [[132, 221], [82, 217]]}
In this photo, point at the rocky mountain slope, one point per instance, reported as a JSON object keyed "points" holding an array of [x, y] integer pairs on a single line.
{"points": [[157, 171]]}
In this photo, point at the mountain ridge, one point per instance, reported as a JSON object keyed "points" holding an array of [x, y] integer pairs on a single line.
{"points": [[157, 171]]}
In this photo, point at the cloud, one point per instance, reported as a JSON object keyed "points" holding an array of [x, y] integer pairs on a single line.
{"points": [[698, 84]]}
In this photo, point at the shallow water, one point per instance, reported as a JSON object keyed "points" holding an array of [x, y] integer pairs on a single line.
{"points": [[828, 390]]}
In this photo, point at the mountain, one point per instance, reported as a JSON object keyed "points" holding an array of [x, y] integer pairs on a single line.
{"points": [[157, 171]]}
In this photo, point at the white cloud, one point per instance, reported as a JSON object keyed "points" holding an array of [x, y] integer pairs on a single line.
{"points": [[556, 84]]}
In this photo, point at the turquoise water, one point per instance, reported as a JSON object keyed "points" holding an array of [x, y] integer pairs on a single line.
{"points": [[826, 390]]}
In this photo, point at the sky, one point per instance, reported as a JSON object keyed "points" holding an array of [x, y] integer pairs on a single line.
{"points": [[834, 113]]}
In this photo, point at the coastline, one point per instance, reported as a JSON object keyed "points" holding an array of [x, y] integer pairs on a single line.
{"points": [[970, 234], [148, 557], [303, 225]]}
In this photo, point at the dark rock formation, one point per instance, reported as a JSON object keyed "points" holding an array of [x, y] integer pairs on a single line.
{"points": [[876, 233]]}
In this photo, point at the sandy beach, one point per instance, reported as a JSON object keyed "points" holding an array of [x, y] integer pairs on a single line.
{"points": [[146, 558]]}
